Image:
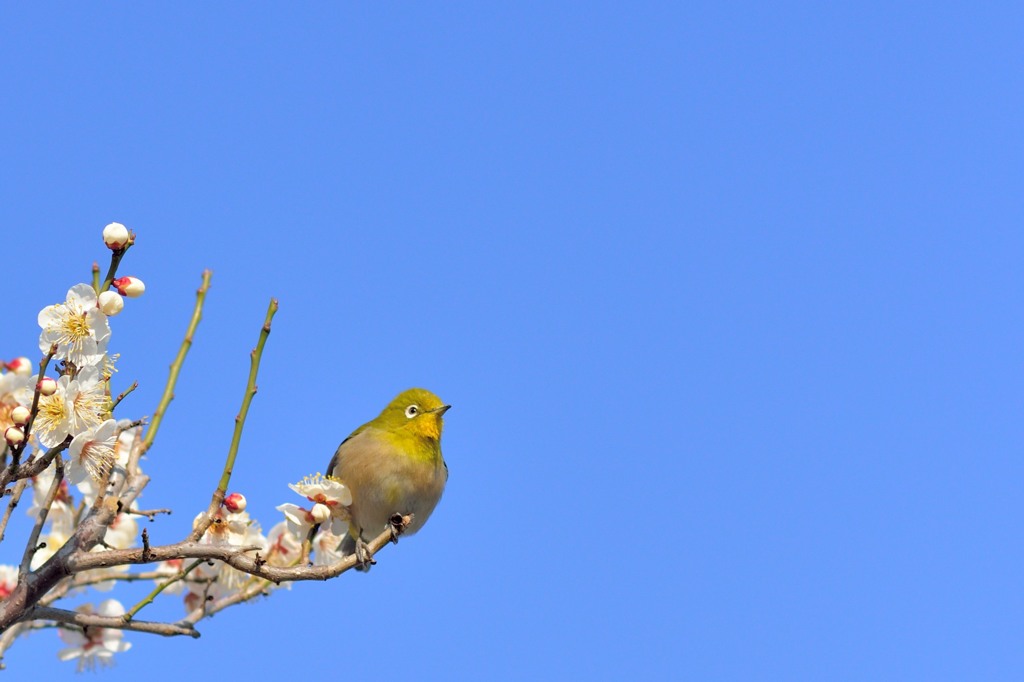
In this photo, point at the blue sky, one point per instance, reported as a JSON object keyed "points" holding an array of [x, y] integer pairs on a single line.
{"points": [[725, 296]]}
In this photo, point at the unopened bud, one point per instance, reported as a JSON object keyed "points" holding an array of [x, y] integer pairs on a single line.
{"points": [[111, 303], [20, 366], [20, 415], [320, 512], [235, 502], [132, 287], [116, 236], [47, 386], [14, 436]]}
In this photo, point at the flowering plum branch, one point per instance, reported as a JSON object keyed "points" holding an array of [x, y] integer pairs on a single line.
{"points": [[81, 466]]}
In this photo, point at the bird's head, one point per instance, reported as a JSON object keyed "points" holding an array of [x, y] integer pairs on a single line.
{"points": [[416, 411]]}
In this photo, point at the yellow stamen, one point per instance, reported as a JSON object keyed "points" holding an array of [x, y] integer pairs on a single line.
{"points": [[72, 327], [52, 411]]}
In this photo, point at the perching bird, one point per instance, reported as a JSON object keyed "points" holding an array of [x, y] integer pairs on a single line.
{"points": [[392, 465]]}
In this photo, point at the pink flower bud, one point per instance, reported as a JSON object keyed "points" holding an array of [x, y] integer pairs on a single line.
{"points": [[320, 512], [116, 236], [111, 303], [14, 435], [235, 502], [20, 366], [47, 386], [20, 415], [132, 287]]}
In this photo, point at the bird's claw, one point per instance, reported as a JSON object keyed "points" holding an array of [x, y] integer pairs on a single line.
{"points": [[396, 524], [363, 557]]}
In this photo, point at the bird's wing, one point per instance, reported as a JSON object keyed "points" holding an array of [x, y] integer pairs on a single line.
{"points": [[337, 453]]}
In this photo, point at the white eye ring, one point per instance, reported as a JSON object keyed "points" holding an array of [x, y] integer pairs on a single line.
{"points": [[411, 411]]}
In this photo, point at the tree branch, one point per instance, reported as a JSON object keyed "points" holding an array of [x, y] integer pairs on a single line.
{"points": [[236, 438], [233, 556], [116, 622], [172, 379]]}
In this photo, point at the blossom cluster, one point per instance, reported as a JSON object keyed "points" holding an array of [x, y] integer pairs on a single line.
{"points": [[68, 417]]}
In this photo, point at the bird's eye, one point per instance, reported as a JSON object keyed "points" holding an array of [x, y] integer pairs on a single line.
{"points": [[411, 411]]}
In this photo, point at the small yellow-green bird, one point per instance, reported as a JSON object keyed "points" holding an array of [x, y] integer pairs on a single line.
{"points": [[392, 465]]}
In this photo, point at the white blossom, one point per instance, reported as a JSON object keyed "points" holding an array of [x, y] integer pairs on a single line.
{"points": [[77, 326], [91, 454], [77, 405], [329, 492], [94, 646]]}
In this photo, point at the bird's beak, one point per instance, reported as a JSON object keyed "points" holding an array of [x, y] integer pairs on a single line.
{"points": [[441, 410]]}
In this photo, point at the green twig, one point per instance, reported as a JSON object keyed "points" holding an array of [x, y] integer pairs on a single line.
{"points": [[96, 277], [123, 395], [236, 438], [250, 391], [115, 260], [148, 599], [172, 379]]}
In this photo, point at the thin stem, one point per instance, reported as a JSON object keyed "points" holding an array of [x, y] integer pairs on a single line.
{"points": [[172, 379], [115, 260], [148, 513], [250, 391], [96, 277], [19, 488], [33, 538], [205, 610], [148, 599], [94, 620], [124, 577], [123, 395], [16, 457]]}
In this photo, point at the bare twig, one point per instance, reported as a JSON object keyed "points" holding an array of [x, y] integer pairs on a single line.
{"points": [[250, 391], [96, 620], [19, 488], [44, 510], [148, 513], [206, 609], [148, 599], [172, 379], [16, 455], [82, 581], [123, 395]]}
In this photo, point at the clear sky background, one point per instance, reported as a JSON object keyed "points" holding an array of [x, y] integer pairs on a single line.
{"points": [[726, 297]]}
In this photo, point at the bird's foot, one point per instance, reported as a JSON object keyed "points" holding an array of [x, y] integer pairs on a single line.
{"points": [[363, 557], [397, 525]]}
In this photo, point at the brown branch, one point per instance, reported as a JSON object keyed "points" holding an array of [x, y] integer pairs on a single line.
{"points": [[148, 513], [44, 510], [116, 622], [236, 557], [33, 467], [19, 488]]}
